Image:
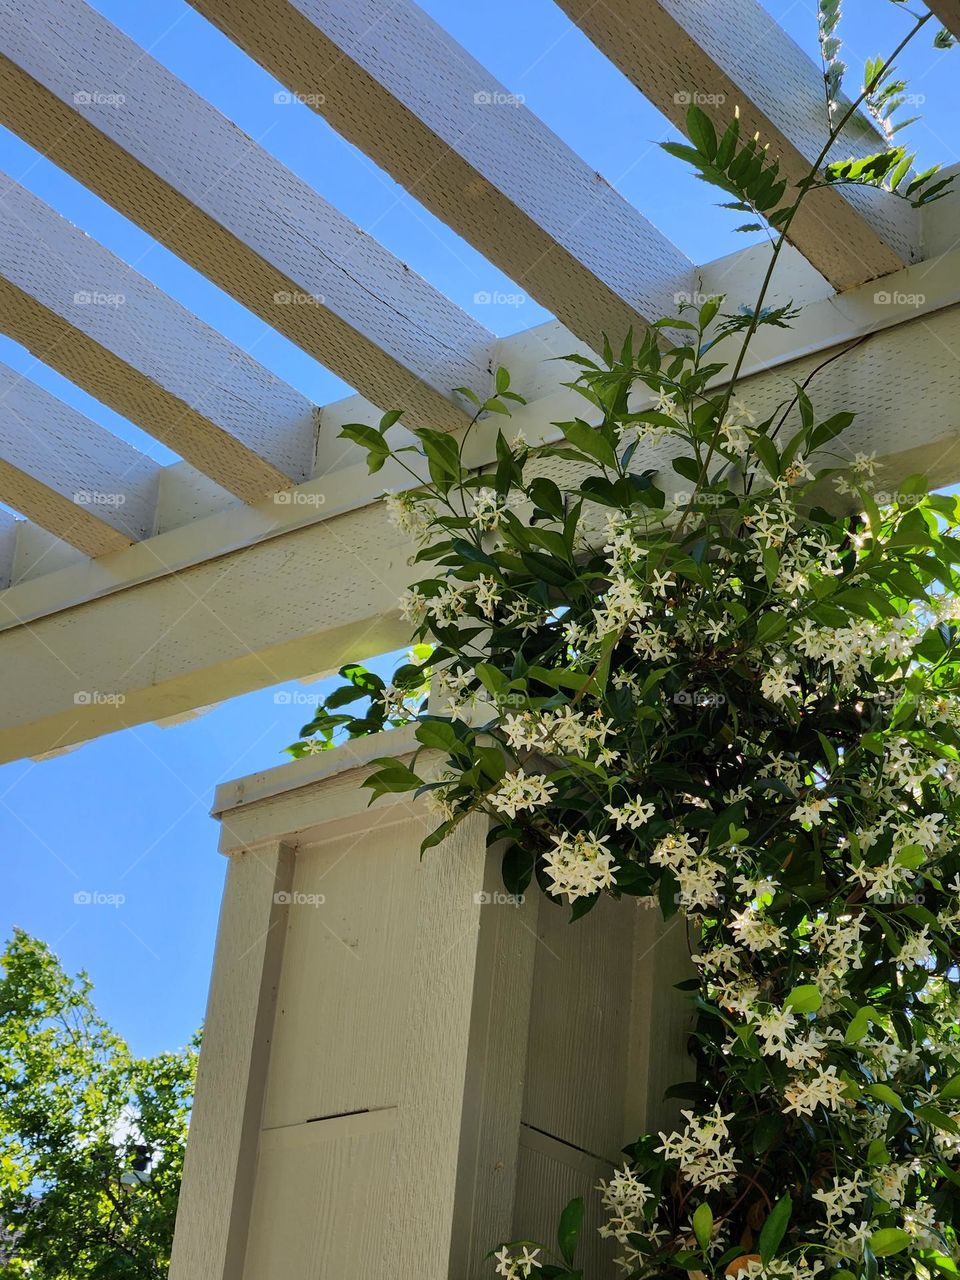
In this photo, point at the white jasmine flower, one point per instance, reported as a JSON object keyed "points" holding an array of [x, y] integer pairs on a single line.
{"points": [[519, 791]]}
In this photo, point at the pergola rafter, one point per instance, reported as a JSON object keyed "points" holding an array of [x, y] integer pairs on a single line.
{"points": [[171, 162], [418, 104], [68, 474], [399, 87], [735, 55], [86, 313]]}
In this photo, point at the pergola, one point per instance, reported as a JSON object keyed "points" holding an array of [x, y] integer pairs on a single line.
{"points": [[190, 589]]}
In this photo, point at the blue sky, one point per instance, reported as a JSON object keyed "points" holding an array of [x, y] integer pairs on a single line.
{"points": [[127, 815]]}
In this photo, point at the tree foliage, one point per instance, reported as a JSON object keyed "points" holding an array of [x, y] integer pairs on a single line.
{"points": [[91, 1137]]}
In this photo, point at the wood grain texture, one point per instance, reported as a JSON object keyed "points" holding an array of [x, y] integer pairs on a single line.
{"points": [[398, 86], [735, 55], [220, 1167], [321, 1191], [948, 11], [68, 474], [86, 313], [170, 161]]}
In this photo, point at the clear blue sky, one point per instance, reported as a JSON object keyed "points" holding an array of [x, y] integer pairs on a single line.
{"points": [[127, 815]]}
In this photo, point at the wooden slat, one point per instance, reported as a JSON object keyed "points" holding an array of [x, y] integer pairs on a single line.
{"points": [[734, 54], [398, 86], [948, 11], [69, 475], [168, 160], [82, 310]]}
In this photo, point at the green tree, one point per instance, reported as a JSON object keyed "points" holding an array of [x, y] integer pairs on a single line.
{"points": [[91, 1137]]}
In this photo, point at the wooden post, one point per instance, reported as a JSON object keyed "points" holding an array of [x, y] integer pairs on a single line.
{"points": [[443, 1068]]}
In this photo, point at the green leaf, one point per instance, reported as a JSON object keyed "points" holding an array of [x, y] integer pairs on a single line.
{"points": [[888, 1240], [804, 999], [589, 441], [703, 1225], [774, 1228], [883, 1093], [370, 439], [860, 1024], [701, 132], [571, 1224], [939, 1119], [437, 733], [877, 1153]]}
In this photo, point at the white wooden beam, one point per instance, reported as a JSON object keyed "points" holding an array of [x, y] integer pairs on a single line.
{"points": [[240, 619], [171, 162], [216, 607], [734, 54], [69, 475], [86, 313], [948, 11], [398, 86], [8, 547]]}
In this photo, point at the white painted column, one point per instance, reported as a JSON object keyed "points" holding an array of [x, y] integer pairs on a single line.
{"points": [[442, 1069]]}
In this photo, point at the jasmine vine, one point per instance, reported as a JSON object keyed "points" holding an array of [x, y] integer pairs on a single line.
{"points": [[728, 688]]}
